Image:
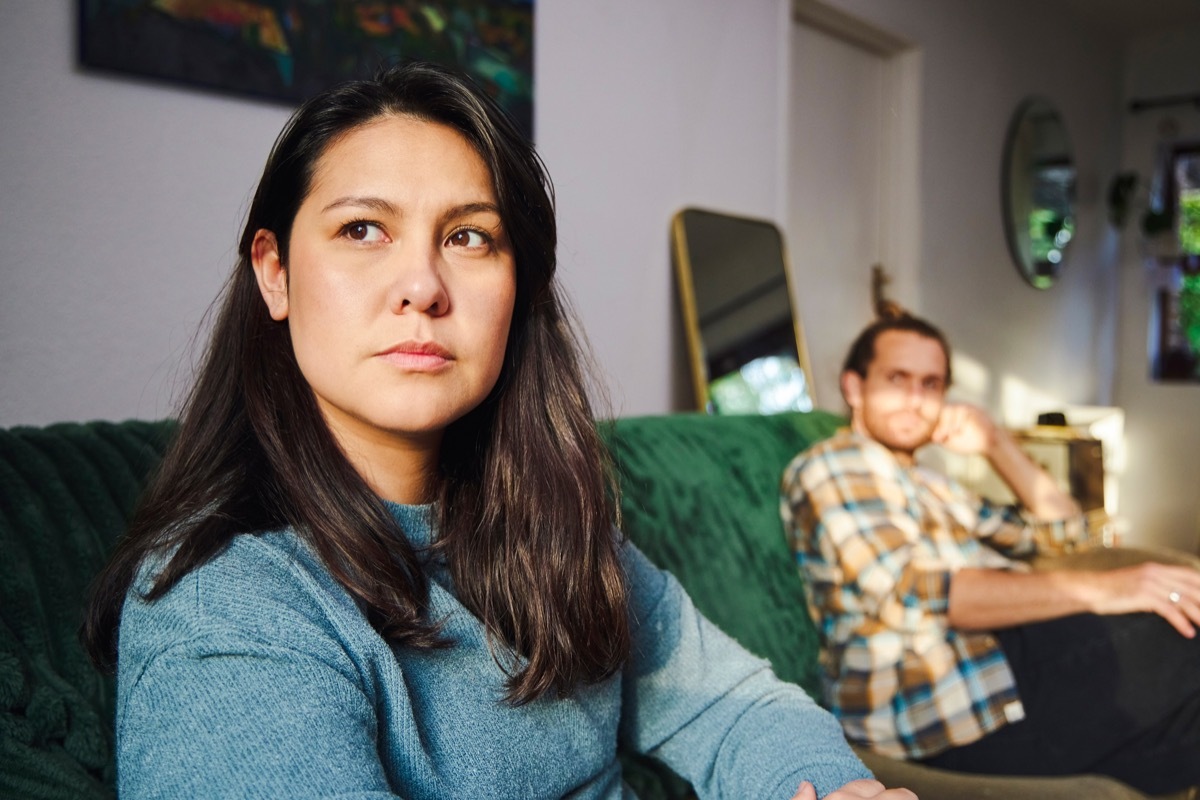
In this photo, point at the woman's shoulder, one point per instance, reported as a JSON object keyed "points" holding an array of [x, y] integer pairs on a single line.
{"points": [[250, 564], [265, 587], [651, 589]]}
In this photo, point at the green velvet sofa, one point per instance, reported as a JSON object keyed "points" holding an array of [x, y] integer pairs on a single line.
{"points": [[699, 496]]}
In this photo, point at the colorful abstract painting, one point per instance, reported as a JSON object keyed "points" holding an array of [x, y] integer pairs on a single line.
{"points": [[290, 49]]}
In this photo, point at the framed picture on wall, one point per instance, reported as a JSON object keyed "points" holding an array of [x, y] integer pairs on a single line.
{"points": [[287, 50], [1175, 350]]}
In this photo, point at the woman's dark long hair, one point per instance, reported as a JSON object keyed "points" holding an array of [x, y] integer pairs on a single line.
{"points": [[525, 497]]}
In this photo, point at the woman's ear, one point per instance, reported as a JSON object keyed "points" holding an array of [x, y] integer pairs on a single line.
{"points": [[270, 272]]}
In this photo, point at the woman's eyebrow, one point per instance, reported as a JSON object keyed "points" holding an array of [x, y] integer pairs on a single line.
{"points": [[385, 206], [471, 208], [373, 203]]}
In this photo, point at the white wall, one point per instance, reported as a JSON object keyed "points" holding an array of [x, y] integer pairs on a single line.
{"points": [[1035, 350], [119, 214], [643, 108], [1159, 493], [123, 199]]}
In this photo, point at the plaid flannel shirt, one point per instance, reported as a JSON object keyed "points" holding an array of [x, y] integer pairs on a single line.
{"points": [[878, 543]]}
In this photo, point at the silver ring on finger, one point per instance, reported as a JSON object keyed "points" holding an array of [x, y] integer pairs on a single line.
{"points": [[1174, 597]]}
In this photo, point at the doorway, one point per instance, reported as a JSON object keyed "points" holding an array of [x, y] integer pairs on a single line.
{"points": [[852, 186]]}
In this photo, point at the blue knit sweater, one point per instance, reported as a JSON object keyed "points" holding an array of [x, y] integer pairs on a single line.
{"points": [[257, 676]]}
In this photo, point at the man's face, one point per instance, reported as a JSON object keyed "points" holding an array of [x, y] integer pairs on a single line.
{"points": [[900, 399]]}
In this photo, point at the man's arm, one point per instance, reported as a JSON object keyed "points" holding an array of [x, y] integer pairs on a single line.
{"points": [[987, 599], [983, 599], [969, 430]]}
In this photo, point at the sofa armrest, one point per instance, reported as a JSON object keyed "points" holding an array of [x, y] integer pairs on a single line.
{"points": [[931, 783], [1104, 558]]}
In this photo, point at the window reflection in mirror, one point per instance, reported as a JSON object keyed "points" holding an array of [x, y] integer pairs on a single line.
{"points": [[1039, 192], [747, 355]]}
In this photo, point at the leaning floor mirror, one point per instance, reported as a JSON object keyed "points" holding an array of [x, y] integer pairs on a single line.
{"points": [[744, 340]]}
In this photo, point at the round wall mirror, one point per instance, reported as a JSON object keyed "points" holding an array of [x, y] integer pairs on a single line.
{"points": [[1039, 192]]}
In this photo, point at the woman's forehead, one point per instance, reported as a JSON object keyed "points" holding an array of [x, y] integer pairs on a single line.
{"points": [[395, 154]]}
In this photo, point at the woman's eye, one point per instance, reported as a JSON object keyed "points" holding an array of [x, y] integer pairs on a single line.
{"points": [[363, 232], [467, 237]]}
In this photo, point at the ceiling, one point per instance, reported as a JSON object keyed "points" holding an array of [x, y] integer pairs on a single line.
{"points": [[1129, 19]]}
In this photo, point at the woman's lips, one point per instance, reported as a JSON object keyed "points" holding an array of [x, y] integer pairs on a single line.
{"points": [[417, 356]]}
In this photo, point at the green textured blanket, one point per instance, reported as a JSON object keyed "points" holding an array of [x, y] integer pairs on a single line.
{"points": [[699, 497], [66, 492]]}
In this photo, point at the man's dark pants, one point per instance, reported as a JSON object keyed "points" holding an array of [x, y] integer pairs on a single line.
{"points": [[1113, 695]]}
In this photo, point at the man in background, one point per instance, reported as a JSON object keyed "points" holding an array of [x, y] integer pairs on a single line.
{"points": [[939, 646]]}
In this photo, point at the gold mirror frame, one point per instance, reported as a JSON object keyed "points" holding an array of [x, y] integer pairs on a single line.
{"points": [[737, 247]]}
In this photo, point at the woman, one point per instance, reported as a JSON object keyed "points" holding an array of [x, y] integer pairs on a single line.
{"points": [[378, 559]]}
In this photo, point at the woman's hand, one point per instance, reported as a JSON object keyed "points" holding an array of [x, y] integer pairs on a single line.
{"points": [[855, 789]]}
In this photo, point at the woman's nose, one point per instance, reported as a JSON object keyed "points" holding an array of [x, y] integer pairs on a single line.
{"points": [[417, 285]]}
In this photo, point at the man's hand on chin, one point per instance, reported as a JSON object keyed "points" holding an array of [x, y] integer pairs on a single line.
{"points": [[968, 430], [965, 429]]}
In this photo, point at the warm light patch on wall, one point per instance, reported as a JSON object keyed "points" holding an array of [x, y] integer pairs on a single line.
{"points": [[1021, 403], [971, 379]]}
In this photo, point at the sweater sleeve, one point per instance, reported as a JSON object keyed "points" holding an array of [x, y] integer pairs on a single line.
{"points": [[225, 691], [717, 715]]}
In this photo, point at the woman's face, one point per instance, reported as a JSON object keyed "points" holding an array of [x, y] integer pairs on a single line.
{"points": [[399, 289]]}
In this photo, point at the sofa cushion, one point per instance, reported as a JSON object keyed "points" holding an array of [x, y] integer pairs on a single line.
{"points": [[700, 497], [66, 492]]}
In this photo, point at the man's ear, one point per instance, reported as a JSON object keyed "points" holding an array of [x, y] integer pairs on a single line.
{"points": [[852, 385], [270, 272]]}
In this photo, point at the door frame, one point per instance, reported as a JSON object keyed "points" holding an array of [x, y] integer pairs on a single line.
{"points": [[900, 207]]}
